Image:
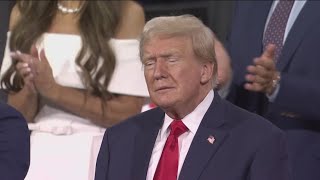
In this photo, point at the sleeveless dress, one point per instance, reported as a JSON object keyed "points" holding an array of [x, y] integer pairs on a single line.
{"points": [[65, 146]]}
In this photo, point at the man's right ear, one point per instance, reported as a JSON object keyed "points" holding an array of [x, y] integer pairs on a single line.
{"points": [[207, 72]]}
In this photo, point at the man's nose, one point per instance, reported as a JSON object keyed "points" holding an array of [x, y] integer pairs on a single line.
{"points": [[160, 69]]}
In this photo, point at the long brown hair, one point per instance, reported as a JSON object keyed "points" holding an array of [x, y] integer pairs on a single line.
{"points": [[97, 24]]}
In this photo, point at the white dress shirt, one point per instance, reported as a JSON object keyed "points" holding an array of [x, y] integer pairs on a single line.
{"points": [[192, 121]]}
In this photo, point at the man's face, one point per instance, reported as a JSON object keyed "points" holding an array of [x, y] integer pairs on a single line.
{"points": [[173, 72]]}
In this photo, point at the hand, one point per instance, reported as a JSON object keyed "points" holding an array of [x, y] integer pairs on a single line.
{"points": [[24, 70], [36, 72], [43, 78], [262, 73], [224, 65]]}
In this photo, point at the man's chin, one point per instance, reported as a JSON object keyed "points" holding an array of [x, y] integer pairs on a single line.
{"points": [[165, 105], [163, 99]]}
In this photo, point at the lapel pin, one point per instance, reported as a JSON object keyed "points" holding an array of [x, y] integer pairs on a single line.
{"points": [[211, 139]]}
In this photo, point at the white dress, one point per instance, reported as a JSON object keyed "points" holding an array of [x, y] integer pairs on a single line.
{"points": [[65, 146]]}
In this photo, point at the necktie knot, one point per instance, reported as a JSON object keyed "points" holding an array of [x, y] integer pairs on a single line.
{"points": [[177, 128]]}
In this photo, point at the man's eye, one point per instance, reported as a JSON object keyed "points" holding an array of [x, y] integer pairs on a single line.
{"points": [[149, 63], [172, 59]]}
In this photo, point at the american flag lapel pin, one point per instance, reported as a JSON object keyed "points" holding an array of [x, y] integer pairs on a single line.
{"points": [[211, 139]]}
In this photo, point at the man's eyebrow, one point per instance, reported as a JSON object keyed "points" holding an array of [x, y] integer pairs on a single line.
{"points": [[148, 56], [161, 54]]}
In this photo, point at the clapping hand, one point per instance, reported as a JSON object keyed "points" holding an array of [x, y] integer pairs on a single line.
{"points": [[24, 67], [36, 71], [262, 73]]}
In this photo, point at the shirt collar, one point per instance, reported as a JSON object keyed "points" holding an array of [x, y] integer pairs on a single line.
{"points": [[192, 120]]}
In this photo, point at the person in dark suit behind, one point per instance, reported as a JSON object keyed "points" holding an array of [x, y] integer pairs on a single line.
{"points": [[217, 139], [283, 82], [14, 144]]}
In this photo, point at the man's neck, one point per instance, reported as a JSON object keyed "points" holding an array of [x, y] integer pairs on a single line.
{"points": [[179, 111]]}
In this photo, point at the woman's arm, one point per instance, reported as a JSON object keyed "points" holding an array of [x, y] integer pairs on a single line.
{"points": [[26, 100], [116, 109]]}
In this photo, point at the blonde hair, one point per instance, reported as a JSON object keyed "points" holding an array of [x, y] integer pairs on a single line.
{"points": [[202, 38]]}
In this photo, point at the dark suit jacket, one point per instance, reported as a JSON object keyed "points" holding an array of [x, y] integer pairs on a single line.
{"points": [[14, 144], [246, 147], [296, 107]]}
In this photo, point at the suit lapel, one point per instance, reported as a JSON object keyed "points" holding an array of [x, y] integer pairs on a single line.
{"points": [[201, 151], [144, 142], [303, 23]]}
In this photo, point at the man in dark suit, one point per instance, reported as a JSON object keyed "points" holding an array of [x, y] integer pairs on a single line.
{"points": [[283, 82], [193, 134], [14, 144]]}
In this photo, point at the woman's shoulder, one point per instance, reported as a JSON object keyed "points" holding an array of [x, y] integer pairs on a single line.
{"points": [[14, 16], [133, 6], [132, 20]]}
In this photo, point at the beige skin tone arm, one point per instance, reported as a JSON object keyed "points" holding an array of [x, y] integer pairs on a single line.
{"points": [[26, 100], [116, 109]]}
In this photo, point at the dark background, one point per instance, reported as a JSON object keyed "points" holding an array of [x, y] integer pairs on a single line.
{"points": [[215, 13]]}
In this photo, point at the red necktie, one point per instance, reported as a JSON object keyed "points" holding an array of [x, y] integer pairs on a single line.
{"points": [[277, 25], [167, 168]]}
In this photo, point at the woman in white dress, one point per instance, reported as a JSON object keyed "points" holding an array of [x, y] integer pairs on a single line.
{"points": [[72, 69]]}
